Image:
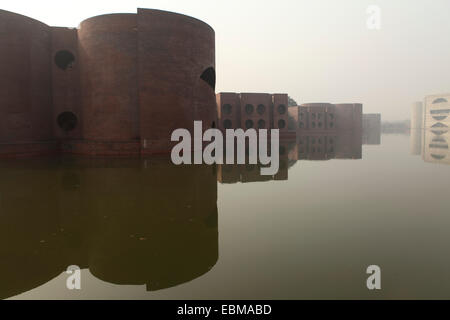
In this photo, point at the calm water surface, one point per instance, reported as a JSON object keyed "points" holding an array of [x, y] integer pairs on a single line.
{"points": [[145, 229]]}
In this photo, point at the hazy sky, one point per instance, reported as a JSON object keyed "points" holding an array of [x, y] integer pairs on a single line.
{"points": [[315, 50]]}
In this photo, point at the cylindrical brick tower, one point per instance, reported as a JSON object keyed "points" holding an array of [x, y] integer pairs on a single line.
{"points": [[109, 94], [25, 84], [176, 62]]}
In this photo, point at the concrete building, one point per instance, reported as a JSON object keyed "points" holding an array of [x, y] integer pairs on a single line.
{"points": [[432, 137], [436, 112], [120, 84], [371, 128]]}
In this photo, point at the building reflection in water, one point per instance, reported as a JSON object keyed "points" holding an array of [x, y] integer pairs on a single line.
{"points": [[129, 221], [134, 222], [306, 146], [430, 135]]}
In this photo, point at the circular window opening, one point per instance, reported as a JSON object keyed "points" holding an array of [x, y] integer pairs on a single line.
{"points": [[249, 124], [261, 124], [227, 109], [64, 59], [67, 121], [281, 124], [281, 109], [227, 124], [261, 109], [249, 108]]}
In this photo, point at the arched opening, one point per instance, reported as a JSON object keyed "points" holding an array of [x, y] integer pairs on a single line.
{"points": [[227, 124], [227, 108], [209, 76], [261, 109], [440, 100], [281, 124], [439, 118], [249, 124], [261, 124], [249, 108], [67, 121], [64, 59], [281, 109]]}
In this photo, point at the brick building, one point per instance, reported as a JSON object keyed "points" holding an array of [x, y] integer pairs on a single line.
{"points": [[120, 84], [252, 110]]}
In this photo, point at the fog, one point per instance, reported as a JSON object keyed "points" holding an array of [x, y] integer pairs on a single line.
{"points": [[317, 51]]}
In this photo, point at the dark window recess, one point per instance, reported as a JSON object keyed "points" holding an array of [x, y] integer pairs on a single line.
{"points": [[249, 124], [440, 100], [67, 121], [209, 76], [64, 59], [227, 108], [281, 109], [249, 108], [261, 124], [227, 124], [213, 125], [281, 124], [261, 109]]}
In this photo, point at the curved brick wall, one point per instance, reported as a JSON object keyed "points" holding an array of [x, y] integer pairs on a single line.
{"points": [[25, 83], [174, 51], [134, 78], [109, 96]]}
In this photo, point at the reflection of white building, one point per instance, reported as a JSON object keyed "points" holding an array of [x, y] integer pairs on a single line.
{"points": [[436, 147], [436, 125]]}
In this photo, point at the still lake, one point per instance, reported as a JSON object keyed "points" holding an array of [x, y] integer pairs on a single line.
{"points": [[146, 229]]}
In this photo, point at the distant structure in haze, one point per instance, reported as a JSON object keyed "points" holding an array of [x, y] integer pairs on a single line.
{"points": [[430, 123], [372, 128], [118, 85]]}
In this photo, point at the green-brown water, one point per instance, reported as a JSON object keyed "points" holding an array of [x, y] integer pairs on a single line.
{"points": [[146, 229]]}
